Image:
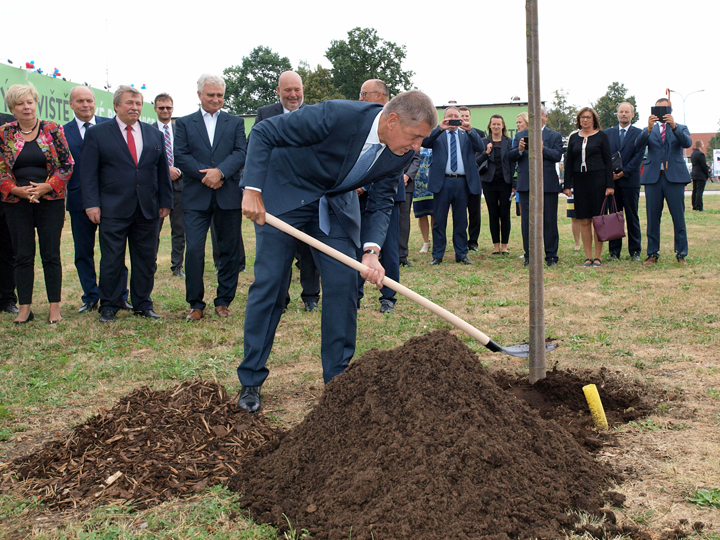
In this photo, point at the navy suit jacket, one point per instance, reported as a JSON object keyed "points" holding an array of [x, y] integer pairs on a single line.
{"points": [[552, 153], [193, 153], [671, 153], [73, 196], [111, 180], [176, 184], [470, 142], [631, 156], [489, 173], [295, 159]]}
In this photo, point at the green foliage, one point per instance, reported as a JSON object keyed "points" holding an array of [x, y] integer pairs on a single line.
{"points": [[367, 56], [318, 84], [606, 106], [561, 117], [253, 83], [705, 497]]}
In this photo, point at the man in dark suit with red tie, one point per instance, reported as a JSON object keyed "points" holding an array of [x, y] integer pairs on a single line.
{"points": [[627, 181], [126, 190], [210, 151], [82, 102]]}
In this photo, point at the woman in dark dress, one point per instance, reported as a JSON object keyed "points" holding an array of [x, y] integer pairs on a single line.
{"points": [[496, 175], [588, 172], [35, 164]]}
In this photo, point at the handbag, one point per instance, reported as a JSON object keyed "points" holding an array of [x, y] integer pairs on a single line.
{"points": [[609, 226], [617, 164]]}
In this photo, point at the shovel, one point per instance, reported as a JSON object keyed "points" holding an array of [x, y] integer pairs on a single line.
{"points": [[521, 351]]}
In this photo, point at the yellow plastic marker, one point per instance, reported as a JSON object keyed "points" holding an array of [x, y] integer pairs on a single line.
{"points": [[596, 408]]}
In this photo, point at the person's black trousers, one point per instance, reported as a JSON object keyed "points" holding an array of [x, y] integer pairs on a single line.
{"points": [[23, 218]]}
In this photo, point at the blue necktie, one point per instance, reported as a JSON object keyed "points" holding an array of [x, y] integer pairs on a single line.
{"points": [[359, 170], [453, 152], [622, 135]]}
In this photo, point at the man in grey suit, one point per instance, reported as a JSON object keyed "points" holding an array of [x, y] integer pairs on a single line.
{"points": [[290, 90], [210, 151], [164, 109]]}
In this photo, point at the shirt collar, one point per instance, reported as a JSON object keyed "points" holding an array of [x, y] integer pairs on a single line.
{"points": [[123, 125], [373, 136], [208, 115], [81, 123]]}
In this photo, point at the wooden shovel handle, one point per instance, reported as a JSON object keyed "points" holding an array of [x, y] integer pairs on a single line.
{"points": [[390, 283]]}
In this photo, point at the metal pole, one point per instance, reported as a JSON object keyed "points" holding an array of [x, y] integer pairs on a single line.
{"points": [[537, 291]]}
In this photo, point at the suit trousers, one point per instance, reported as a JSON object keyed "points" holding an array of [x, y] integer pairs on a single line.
{"points": [[674, 194], [83, 231], [140, 235], [498, 205], [404, 238], [177, 228], [627, 199], [454, 193], [7, 263], [217, 260], [697, 194], [23, 217], [550, 226], [227, 230], [266, 296], [474, 203]]}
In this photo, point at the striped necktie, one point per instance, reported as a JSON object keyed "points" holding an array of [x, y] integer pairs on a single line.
{"points": [[453, 152], [662, 133], [168, 146]]}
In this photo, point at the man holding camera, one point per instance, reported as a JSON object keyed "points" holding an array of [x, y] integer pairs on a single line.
{"points": [[453, 176], [665, 176]]}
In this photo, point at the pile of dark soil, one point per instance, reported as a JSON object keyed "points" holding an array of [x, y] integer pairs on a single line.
{"points": [[559, 396], [420, 442], [150, 447]]}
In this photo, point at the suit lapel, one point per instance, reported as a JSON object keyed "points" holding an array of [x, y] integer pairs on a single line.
{"points": [[147, 141], [355, 146], [199, 122], [121, 141], [220, 127]]}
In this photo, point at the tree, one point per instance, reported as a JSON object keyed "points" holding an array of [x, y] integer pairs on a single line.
{"points": [[561, 117], [253, 83], [606, 106], [318, 84], [366, 56]]}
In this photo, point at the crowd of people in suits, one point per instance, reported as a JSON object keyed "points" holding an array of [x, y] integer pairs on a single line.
{"points": [[346, 172]]}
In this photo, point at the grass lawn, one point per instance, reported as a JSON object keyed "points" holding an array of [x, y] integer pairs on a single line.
{"points": [[659, 325]]}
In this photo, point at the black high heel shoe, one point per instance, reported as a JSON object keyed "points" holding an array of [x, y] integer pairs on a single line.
{"points": [[29, 318]]}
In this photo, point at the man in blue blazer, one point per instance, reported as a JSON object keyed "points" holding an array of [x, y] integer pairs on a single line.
{"points": [[126, 190], [210, 151], [453, 176], [82, 102], [290, 91], [627, 182], [552, 153], [304, 168], [665, 176]]}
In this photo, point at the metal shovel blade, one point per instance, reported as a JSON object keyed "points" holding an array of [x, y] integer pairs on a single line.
{"points": [[521, 351]]}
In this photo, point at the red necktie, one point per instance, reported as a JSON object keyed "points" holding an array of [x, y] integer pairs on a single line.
{"points": [[662, 133], [131, 144]]}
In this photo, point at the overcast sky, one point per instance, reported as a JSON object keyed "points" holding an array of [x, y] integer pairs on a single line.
{"points": [[469, 51]]}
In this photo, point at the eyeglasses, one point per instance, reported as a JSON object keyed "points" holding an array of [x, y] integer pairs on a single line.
{"points": [[363, 94], [164, 108], [586, 118]]}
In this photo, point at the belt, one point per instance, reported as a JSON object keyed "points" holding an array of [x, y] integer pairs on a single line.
{"points": [[455, 175]]}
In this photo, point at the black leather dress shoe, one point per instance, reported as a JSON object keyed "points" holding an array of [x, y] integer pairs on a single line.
{"points": [[526, 262], [473, 247], [88, 307], [250, 399], [10, 308], [406, 263], [435, 262], [148, 314], [178, 272], [107, 315], [464, 260], [127, 306], [635, 257], [311, 306], [552, 263]]}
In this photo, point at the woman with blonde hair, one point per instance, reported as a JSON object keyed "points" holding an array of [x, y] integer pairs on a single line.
{"points": [[35, 166]]}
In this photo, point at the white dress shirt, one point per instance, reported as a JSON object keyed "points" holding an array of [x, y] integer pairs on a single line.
{"points": [[210, 123], [81, 125]]}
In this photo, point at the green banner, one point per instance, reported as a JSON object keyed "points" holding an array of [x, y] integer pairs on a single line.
{"points": [[54, 94]]}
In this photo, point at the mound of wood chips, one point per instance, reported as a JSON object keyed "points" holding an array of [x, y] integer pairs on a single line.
{"points": [[153, 445]]}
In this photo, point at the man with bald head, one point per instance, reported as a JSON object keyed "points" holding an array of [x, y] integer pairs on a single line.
{"points": [[82, 102], [290, 91]]}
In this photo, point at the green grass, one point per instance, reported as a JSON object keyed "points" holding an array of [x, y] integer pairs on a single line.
{"points": [[632, 319]]}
